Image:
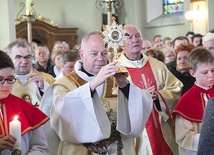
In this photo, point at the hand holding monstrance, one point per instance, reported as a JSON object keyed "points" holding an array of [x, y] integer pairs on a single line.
{"points": [[114, 36]]}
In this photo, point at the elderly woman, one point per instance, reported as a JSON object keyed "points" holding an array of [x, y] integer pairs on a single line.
{"points": [[169, 54], [182, 66], [67, 62]]}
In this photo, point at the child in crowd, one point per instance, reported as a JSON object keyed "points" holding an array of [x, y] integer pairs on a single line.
{"points": [[189, 110], [32, 139]]}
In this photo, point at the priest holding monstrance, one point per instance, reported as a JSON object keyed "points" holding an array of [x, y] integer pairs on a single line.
{"points": [[90, 118]]}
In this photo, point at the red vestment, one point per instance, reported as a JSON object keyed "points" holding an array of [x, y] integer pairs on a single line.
{"points": [[29, 116], [153, 128]]}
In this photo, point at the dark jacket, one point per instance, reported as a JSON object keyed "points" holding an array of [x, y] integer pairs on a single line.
{"points": [[206, 140], [49, 69], [187, 80]]}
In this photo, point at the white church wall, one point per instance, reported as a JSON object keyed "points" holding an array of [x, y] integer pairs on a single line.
{"points": [[84, 15]]}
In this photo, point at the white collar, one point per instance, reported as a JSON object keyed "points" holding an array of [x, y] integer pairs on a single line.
{"points": [[138, 63], [23, 79], [205, 88]]}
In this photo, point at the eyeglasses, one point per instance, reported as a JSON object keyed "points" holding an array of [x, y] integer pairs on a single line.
{"points": [[10, 80], [27, 57]]}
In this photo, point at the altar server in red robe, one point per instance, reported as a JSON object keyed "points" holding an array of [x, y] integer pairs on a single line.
{"points": [[190, 107], [33, 141]]}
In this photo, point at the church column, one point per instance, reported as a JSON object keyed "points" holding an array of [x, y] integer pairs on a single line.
{"points": [[210, 4], [7, 30]]}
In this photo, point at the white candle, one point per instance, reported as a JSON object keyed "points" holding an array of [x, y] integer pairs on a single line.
{"points": [[28, 6], [15, 130]]}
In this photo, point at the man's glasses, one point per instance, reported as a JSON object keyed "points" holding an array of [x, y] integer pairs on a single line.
{"points": [[10, 80], [27, 57]]}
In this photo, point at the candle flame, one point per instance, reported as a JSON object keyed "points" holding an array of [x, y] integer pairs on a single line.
{"points": [[16, 117]]}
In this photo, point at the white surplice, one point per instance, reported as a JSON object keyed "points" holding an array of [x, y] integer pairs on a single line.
{"points": [[80, 118]]}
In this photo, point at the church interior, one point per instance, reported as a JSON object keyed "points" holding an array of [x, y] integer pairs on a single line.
{"points": [[108, 95], [69, 20]]}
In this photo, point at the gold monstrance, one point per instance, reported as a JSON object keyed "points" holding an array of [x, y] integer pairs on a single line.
{"points": [[114, 36]]}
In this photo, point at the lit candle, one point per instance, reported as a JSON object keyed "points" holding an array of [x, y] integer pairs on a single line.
{"points": [[28, 6], [15, 130]]}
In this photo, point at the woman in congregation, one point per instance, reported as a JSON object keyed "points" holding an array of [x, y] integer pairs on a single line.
{"points": [[182, 52]]}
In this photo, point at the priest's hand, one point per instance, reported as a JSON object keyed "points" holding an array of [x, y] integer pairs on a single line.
{"points": [[36, 77], [121, 79], [7, 142], [153, 93], [104, 73]]}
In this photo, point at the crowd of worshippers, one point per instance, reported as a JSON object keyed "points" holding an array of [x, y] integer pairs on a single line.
{"points": [[156, 98]]}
